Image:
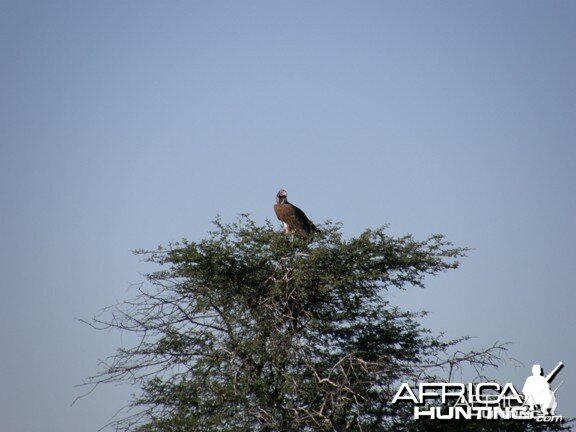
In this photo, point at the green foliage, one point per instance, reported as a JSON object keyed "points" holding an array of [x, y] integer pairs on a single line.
{"points": [[250, 330]]}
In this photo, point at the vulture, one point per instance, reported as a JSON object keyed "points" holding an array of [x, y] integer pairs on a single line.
{"points": [[293, 219]]}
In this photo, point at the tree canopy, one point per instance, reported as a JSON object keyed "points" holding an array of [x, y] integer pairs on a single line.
{"points": [[251, 330]]}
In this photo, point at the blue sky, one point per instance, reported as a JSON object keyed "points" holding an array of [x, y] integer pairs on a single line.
{"points": [[130, 124]]}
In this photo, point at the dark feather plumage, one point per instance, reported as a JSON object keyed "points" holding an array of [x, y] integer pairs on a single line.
{"points": [[293, 219]]}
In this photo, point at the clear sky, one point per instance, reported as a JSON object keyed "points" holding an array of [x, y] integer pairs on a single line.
{"points": [[130, 124]]}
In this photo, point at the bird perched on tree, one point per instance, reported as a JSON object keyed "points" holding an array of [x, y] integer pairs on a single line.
{"points": [[293, 219]]}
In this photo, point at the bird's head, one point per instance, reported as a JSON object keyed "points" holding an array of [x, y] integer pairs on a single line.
{"points": [[281, 196]]}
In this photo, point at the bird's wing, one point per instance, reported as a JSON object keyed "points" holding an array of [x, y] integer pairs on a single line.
{"points": [[295, 218], [304, 224]]}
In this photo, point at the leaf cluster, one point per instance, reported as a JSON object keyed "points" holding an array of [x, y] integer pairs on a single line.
{"points": [[250, 330]]}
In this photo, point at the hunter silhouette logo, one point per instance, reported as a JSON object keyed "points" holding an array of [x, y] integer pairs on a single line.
{"points": [[488, 401], [537, 391]]}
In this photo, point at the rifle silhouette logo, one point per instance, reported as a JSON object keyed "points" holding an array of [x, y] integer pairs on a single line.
{"points": [[537, 390]]}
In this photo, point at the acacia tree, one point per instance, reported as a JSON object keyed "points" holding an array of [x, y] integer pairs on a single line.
{"points": [[250, 330]]}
